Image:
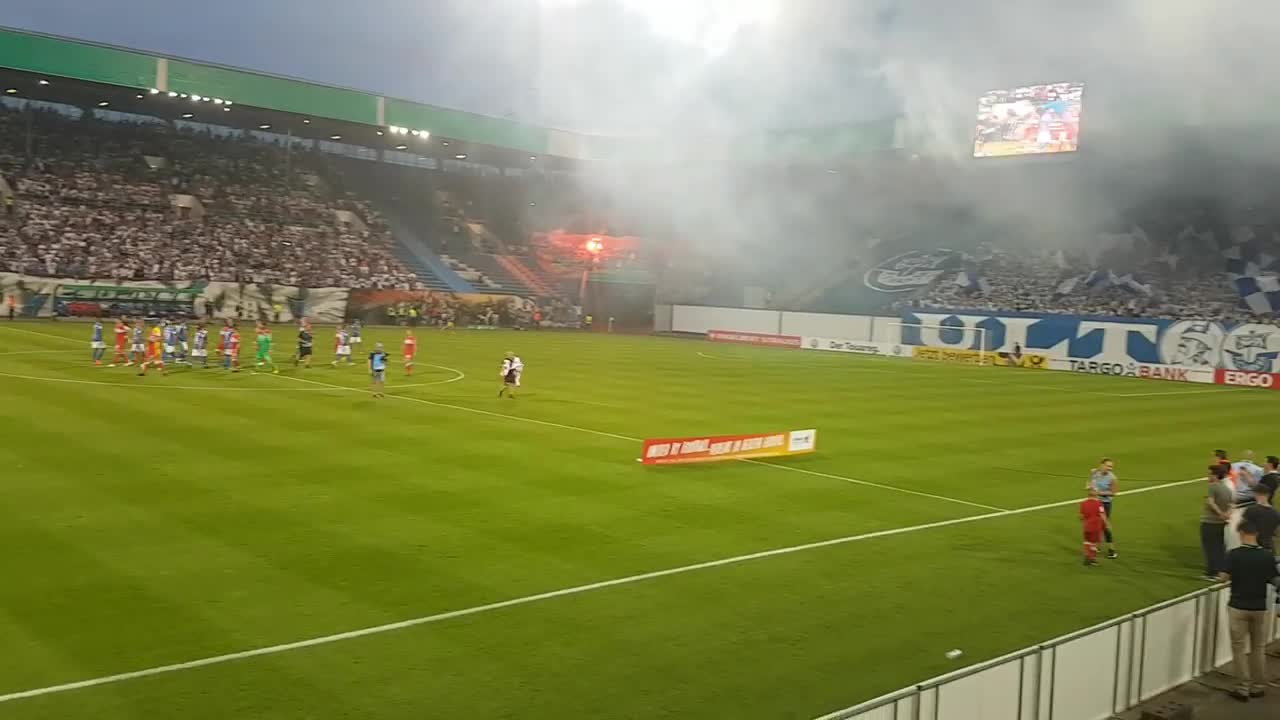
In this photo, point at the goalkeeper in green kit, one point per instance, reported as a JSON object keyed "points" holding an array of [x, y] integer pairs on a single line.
{"points": [[264, 347]]}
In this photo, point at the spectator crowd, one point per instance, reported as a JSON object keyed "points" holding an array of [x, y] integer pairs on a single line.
{"points": [[95, 199]]}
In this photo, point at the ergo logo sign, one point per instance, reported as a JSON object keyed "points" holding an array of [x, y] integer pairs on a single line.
{"points": [[1246, 379]]}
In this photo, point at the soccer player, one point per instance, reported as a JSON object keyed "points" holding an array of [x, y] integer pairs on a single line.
{"points": [[512, 369], [356, 330], [341, 345], [1102, 479], [264, 347], [138, 349], [155, 352], [1094, 519], [170, 332], [231, 355], [223, 336], [183, 347], [122, 342], [305, 343], [96, 344], [201, 348], [410, 349], [378, 370]]}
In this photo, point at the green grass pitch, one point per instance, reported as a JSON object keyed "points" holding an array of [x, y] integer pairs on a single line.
{"points": [[159, 520]]}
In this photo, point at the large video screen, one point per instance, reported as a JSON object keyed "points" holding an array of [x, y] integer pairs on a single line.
{"points": [[1029, 120]]}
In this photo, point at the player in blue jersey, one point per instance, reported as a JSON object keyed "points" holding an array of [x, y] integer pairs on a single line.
{"points": [[223, 336], [355, 333], [169, 332], [138, 348], [97, 344], [183, 346], [1102, 480], [378, 370]]}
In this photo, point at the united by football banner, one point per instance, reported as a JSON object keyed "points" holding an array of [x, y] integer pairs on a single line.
{"points": [[712, 448]]}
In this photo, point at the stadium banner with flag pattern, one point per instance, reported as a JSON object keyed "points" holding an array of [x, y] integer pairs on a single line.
{"points": [[45, 297], [713, 448]]}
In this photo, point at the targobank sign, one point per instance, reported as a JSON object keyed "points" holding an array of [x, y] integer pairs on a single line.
{"points": [[1251, 347]]}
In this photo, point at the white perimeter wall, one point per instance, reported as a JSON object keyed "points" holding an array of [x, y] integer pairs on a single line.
{"points": [[861, 328]]}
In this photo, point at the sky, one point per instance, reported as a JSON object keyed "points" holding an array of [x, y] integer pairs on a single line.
{"points": [[707, 67], [612, 66]]}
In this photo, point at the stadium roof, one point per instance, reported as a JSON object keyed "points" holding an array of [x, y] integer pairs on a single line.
{"points": [[147, 83]]}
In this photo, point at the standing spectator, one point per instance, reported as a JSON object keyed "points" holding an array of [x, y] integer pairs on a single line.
{"points": [[1271, 477], [1213, 522], [9, 206], [1250, 570], [1264, 518]]}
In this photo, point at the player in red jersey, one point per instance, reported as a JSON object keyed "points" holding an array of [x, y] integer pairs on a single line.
{"points": [[1094, 517], [122, 343], [410, 348], [231, 356], [155, 352]]}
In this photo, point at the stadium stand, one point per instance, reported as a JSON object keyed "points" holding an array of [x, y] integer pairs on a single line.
{"points": [[99, 199]]}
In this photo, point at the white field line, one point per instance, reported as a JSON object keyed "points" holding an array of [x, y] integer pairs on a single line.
{"points": [[872, 484], [852, 481], [529, 599]]}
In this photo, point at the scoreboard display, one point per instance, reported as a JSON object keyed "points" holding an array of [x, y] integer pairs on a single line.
{"points": [[1030, 120]]}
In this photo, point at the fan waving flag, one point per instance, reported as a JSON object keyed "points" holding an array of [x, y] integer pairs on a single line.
{"points": [[1253, 272]]}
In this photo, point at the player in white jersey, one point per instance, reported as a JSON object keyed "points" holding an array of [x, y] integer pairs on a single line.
{"points": [[341, 346], [200, 352], [512, 369]]}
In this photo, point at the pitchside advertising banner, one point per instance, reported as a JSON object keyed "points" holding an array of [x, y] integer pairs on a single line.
{"points": [[1241, 378], [1195, 344], [713, 448], [748, 338]]}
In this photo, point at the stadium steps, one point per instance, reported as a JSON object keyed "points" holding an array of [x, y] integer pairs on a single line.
{"points": [[487, 275], [525, 275], [414, 252]]}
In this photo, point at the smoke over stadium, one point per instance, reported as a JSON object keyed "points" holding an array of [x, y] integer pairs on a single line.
{"points": [[629, 359]]}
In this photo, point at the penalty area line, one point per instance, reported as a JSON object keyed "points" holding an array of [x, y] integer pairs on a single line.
{"points": [[539, 597]]}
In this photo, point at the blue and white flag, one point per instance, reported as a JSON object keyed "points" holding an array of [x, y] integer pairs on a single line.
{"points": [[1254, 273]]}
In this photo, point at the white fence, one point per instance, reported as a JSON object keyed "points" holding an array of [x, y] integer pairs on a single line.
{"points": [[701, 319], [1087, 675]]}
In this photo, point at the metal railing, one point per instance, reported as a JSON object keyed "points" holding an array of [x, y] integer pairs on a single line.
{"points": [[1090, 674]]}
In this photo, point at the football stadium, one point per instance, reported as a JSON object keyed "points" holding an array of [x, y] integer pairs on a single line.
{"points": [[610, 359]]}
